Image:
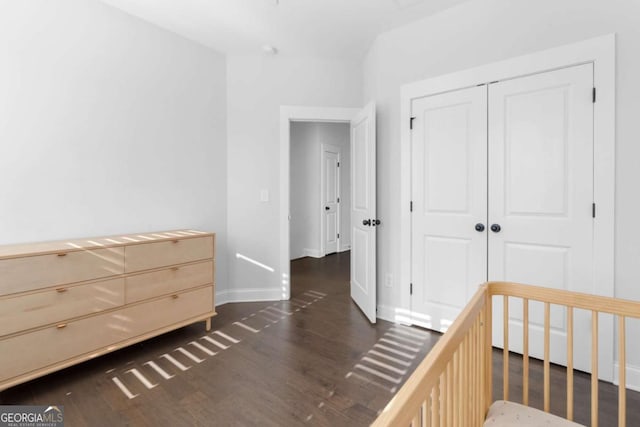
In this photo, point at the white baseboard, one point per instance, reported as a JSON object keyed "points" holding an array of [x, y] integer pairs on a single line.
{"points": [[344, 248], [633, 376], [386, 312], [399, 316], [313, 253], [248, 295]]}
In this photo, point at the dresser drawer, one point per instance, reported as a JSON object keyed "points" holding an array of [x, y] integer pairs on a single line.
{"points": [[147, 317], [21, 354], [159, 254], [41, 271], [54, 305], [149, 285], [35, 350]]}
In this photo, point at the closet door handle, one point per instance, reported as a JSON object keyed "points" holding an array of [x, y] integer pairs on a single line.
{"points": [[479, 227], [495, 228], [366, 222]]}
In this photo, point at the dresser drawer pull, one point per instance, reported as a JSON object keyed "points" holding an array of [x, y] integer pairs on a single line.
{"points": [[175, 268], [61, 255], [175, 241], [61, 326], [61, 290], [174, 296]]}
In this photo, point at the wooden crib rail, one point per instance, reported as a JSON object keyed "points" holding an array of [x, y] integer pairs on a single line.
{"points": [[453, 385], [621, 309], [448, 387]]}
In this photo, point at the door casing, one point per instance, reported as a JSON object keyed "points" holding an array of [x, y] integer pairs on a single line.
{"points": [[290, 114]]}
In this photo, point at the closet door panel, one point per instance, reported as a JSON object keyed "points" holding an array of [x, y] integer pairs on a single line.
{"points": [[449, 196], [541, 195]]}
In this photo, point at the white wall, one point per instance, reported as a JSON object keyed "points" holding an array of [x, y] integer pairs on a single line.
{"points": [[484, 31], [305, 184], [257, 87], [108, 125]]}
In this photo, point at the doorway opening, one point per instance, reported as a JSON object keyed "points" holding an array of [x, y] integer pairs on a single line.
{"points": [[361, 192], [320, 199]]}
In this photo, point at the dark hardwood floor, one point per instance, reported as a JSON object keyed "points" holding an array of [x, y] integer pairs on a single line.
{"points": [[301, 362], [313, 360]]}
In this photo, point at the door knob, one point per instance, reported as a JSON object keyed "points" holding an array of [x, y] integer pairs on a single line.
{"points": [[495, 228], [326, 208], [366, 222], [479, 227], [375, 222]]}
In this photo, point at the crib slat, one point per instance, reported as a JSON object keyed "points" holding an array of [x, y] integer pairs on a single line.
{"points": [[474, 373], [505, 349], [547, 315], [480, 373], [483, 354], [461, 387], [472, 380], [465, 377], [435, 405], [444, 380], [594, 368], [449, 394], [525, 351], [570, 363], [488, 351], [622, 375], [458, 396], [416, 422]]}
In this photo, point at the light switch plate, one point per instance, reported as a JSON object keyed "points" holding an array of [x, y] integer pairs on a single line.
{"points": [[264, 195]]}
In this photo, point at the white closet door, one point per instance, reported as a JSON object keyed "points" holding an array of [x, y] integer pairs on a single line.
{"points": [[330, 196], [540, 197], [449, 193]]}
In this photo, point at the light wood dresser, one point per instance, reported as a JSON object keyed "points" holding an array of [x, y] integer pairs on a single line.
{"points": [[65, 302]]}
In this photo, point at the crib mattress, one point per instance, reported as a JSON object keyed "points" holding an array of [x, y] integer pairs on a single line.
{"points": [[504, 414]]}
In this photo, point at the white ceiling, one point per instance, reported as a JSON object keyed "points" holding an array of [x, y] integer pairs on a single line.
{"points": [[324, 28]]}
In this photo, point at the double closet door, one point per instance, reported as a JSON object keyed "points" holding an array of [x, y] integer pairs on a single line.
{"points": [[502, 190]]}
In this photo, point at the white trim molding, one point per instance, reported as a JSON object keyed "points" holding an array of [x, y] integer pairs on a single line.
{"points": [[247, 295], [632, 376], [599, 51], [313, 253], [290, 114]]}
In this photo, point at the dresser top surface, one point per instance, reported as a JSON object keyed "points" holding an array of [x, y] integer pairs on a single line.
{"points": [[42, 248]]}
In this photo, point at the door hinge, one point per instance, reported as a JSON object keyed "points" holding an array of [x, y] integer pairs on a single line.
{"points": [[411, 122], [410, 288], [593, 210], [338, 235], [411, 206], [594, 94], [338, 164], [338, 199]]}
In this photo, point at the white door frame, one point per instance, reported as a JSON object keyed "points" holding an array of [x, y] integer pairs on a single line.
{"points": [[290, 114], [323, 149], [601, 52]]}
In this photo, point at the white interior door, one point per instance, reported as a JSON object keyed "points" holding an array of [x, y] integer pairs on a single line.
{"points": [[363, 211], [330, 197], [449, 197], [540, 202]]}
